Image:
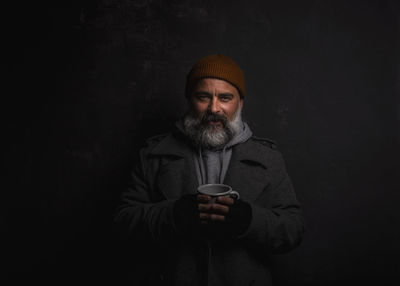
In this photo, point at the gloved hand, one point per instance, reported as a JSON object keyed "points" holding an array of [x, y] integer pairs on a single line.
{"points": [[186, 214], [226, 218], [238, 219]]}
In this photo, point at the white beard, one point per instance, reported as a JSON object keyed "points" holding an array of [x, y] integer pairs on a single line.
{"points": [[210, 136]]}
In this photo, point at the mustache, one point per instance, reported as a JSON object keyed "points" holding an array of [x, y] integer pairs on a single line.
{"points": [[208, 116]]}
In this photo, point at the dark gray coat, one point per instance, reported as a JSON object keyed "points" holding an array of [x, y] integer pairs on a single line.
{"points": [[166, 171]]}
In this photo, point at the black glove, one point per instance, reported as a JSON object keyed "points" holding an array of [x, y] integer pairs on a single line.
{"points": [[238, 219], [186, 214]]}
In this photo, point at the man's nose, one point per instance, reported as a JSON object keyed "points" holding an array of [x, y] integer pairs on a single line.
{"points": [[215, 106]]}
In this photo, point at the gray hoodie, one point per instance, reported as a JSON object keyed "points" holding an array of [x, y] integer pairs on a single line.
{"points": [[211, 165]]}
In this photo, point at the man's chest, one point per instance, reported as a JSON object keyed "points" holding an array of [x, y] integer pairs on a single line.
{"points": [[175, 177]]}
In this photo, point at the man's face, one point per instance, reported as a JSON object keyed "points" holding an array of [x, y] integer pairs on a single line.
{"points": [[215, 113], [215, 96]]}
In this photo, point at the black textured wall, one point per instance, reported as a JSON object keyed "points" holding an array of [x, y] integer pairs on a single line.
{"points": [[88, 81]]}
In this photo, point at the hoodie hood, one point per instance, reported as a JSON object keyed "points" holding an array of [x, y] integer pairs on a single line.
{"points": [[212, 164]]}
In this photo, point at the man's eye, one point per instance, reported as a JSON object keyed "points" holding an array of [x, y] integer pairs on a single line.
{"points": [[203, 97], [225, 98]]}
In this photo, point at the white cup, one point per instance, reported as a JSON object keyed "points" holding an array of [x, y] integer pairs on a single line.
{"points": [[216, 190]]}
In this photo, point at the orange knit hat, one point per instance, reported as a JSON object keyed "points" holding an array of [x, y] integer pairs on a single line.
{"points": [[216, 66]]}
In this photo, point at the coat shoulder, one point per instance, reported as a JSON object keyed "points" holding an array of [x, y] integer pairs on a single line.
{"points": [[154, 140], [265, 142]]}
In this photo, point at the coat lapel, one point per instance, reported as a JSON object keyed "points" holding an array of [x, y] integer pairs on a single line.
{"points": [[176, 175], [248, 170]]}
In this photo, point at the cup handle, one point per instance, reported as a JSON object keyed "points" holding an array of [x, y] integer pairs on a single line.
{"points": [[234, 194]]}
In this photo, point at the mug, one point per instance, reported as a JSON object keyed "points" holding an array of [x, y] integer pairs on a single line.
{"points": [[216, 190]]}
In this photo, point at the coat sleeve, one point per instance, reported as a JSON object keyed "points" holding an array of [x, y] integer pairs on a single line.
{"points": [[277, 224], [139, 215]]}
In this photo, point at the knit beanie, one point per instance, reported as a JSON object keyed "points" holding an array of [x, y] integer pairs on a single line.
{"points": [[219, 67]]}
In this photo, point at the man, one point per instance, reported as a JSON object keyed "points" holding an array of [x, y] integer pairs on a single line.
{"points": [[191, 241]]}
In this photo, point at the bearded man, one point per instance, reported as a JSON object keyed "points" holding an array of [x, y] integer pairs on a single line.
{"points": [[189, 239]]}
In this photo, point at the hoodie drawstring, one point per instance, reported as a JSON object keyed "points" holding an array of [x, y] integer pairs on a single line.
{"points": [[202, 179], [223, 163]]}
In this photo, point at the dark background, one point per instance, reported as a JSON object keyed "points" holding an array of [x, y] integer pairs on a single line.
{"points": [[88, 81]]}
